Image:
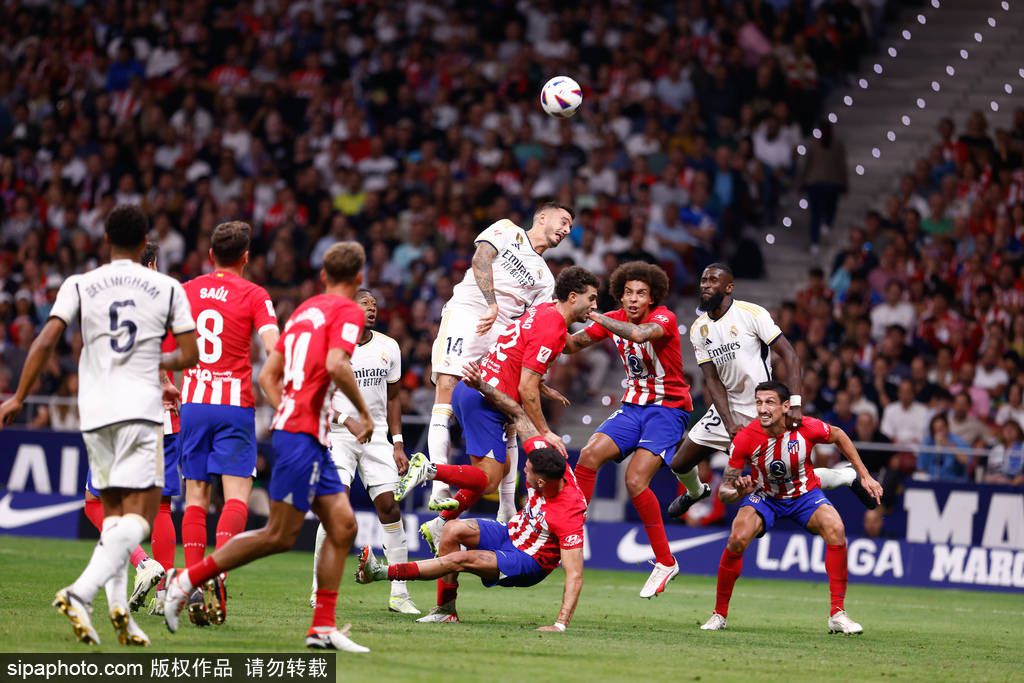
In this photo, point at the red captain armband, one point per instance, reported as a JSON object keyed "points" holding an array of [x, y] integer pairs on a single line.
{"points": [[535, 442]]}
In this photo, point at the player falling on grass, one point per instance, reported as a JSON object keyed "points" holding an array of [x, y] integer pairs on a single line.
{"points": [[508, 276], [150, 571], [546, 532], [314, 350], [515, 365], [218, 417], [377, 365], [655, 406], [733, 342], [783, 484], [124, 310]]}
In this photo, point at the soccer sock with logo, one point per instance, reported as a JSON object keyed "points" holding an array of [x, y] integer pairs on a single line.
{"points": [[729, 569], [833, 479], [835, 567], [587, 479], [94, 511], [396, 549], [200, 573], [507, 487], [321, 536], [691, 481], [232, 520], [405, 571], [323, 613], [120, 534], [193, 534], [471, 482], [647, 506], [164, 537], [466, 498], [438, 443], [446, 592]]}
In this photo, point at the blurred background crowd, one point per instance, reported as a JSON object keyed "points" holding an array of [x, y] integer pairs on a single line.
{"points": [[410, 127]]}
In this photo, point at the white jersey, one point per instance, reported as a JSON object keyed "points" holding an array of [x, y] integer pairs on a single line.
{"points": [[124, 309], [521, 276], [376, 364], [737, 343]]}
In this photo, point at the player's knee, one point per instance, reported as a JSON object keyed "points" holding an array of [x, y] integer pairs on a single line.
{"points": [[833, 532], [280, 539], [738, 541], [387, 510], [635, 484]]}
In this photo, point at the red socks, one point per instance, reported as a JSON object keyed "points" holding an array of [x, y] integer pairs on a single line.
{"points": [[193, 534], [232, 520], [94, 511], [587, 479], [835, 567], [164, 537], [467, 499], [403, 571], [729, 568], [323, 613], [650, 514], [463, 476], [446, 592], [200, 573]]}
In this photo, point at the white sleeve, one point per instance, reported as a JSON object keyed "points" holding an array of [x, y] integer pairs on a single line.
{"points": [[764, 326], [395, 369], [68, 301], [498, 234], [699, 349], [179, 318]]}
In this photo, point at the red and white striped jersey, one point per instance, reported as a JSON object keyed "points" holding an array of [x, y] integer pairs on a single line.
{"points": [[781, 465], [532, 341], [322, 323], [546, 526], [227, 308], [654, 369], [172, 421]]}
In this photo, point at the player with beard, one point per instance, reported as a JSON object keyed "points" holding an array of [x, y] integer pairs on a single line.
{"points": [[733, 342]]}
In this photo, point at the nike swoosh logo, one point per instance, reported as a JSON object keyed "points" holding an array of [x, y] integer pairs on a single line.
{"points": [[646, 440], [631, 552], [13, 518]]}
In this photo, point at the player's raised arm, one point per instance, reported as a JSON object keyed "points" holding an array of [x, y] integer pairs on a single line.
{"points": [[502, 401], [271, 377], [529, 394], [842, 441], [719, 397], [572, 563], [339, 367], [791, 376], [621, 328], [483, 272], [38, 354]]}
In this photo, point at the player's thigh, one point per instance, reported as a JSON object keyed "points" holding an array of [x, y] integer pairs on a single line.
{"points": [[710, 432], [345, 454], [457, 342], [465, 532], [377, 468], [138, 456], [233, 450], [196, 441], [303, 469], [492, 468], [335, 513], [661, 429], [641, 470], [172, 473], [600, 449], [826, 522], [748, 525]]}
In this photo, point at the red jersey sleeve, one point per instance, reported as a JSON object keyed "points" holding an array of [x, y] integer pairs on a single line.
{"points": [[568, 528], [543, 347], [665, 319], [742, 448], [816, 431], [346, 327], [596, 332], [262, 310]]}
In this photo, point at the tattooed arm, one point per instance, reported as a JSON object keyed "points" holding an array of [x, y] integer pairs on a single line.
{"points": [[627, 330], [502, 401], [578, 342], [483, 272], [735, 485]]}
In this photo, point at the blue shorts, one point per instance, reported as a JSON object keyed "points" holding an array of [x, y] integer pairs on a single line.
{"points": [[483, 425], [172, 477], [303, 470], [655, 428], [797, 509], [515, 568], [217, 440]]}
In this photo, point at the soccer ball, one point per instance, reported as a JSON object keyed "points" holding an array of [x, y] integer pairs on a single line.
{"points": [[561, 97]]}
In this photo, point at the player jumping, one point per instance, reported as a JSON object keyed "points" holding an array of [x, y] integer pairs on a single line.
{"points": [[508, 276], [655, 406], [782, 484], [318, 341], [546, 532], [377, 365]]}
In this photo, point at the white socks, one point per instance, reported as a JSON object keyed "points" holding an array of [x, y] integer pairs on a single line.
{"points": [[117, 588], [321, 536], [396, 549], [834, 478], [119, 537], [438, 444], [507, 487], [691, 481]]}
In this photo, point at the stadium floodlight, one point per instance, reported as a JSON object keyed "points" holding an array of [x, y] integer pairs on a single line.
{"points": [[1005, 5], [906, 34], [994, 105], [863, 83], [921, 103], [832, 118], [992, 22], [921, 19], [769, 238], [935, 4], [877, 68], [905, 120], [816, 133], [950, 70], [890, 135], [859, 169], [876, 153], [892, 52], [586, 419], [935, 86], [847, 100], [1007, 88], [803, 203], [801, 150], [977, 37], [963, 54], [787, 222]]}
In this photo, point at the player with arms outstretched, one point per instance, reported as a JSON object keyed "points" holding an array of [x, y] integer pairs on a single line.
{"points": [[733, 342], [783, 484], [515, 366], [218, 417], [314, 350], [546, 532], [508, 276], [655, 406], [124, 311], [377, 365]]}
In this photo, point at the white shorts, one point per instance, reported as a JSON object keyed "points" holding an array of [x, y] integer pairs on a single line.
{"points": [[710, 431], [127, 455], [457, 342], [373, 461]]}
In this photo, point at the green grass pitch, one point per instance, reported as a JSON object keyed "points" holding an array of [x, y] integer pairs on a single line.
{"points": [[776, 628]]}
